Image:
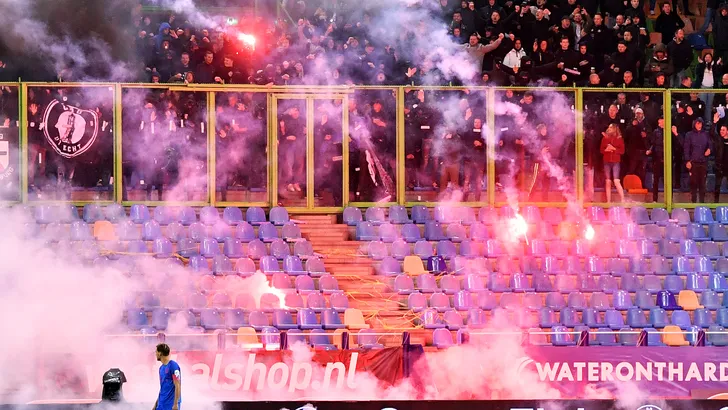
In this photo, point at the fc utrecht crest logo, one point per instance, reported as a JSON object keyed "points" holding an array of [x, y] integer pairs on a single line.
{"points": [[71, 131]]}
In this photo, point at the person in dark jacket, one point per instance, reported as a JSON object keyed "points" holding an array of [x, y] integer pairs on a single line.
{"points": [[720, 33], [667, 23], [720, 145], [681, 54], [656, 150], [697, 150], [659, 63]]}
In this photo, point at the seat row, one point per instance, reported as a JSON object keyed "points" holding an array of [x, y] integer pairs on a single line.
{"points": [[318, 301], [232, 319], [398, 214], [563, 283], [488, 300]]}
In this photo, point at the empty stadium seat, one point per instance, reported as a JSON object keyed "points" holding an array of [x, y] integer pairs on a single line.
{"points": [[255, 215], [674, 336], [352, 216], [279, 216]]}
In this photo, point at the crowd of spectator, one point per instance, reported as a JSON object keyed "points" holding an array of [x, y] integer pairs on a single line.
{"points": [[589, 43]]}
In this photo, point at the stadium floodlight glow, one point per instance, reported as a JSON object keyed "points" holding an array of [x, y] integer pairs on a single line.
{"points": [[247, 39], [589, 233]]}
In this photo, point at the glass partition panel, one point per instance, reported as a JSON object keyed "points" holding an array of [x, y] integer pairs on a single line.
{"points": [[70, 143], [9, 145], [164, 145], [535, 152], [328, 161], [292, 137], [700, 146], [373, 146], [444, 147], [623, 146], [241, 147]]}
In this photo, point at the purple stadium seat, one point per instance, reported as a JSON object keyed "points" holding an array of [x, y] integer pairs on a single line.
{"points": [[283, 319], [245, 232], [316, 301], [403, 284], [430, 319], [442, 338], [440, 301], [278, 248]]}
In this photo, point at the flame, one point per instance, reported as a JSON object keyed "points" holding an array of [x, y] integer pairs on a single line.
{"points": [[518, 227], [248, 39], [589, 233]]}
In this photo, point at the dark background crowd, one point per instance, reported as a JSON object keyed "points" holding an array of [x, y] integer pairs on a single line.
{"points": [[590, 43]]}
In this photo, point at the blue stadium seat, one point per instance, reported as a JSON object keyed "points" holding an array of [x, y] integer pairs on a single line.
{"points": [[162, 248], [561, 336], [674, 284], [411, 233], [269, 265], [267, 232], [652, 284], [221, 265], [498, 283], [718, 233], [569, 317], [232, 215], [283, 319], [452, 320], [703, 318], [80, 231], [367, 339], [290, 232], [710, 299], [115, 213], [304, 285], [388, 232], [442, 338], [160, 318], [450, 284], [328, 284], [681, 215], [695, 282], [632, 231], [245, 232], [660, 216], [434, 231], [365, 231], [92, 213], [186, 215], [389, 266], [682, 319], [220, 231], [547, 318], [403, 284], [639, 215], [279, 216], [212, 319], [591, 318], [255, 215], [245, 267], [303, 249], [586, 283], [377, 250], [426, 283], [555, 301], [462, 301], [423, 249], [136, 318], [258, 320], [292, 265], [636, 318], [339, 302], [197, 231], [420, 214], [375, 215], [486, 300], [307, 319], [697, 232], [618, 215], [652, 233], [209, 215], [398, 215], [721, 316], [658, 318], [352, 216], [440, 301], [209, 247], [278, 248], [330, 320], [416, 302], [488, 215], [446, 249], [622, 300], [613, 318], [235, 319], [456, 232], [315, 266], [710, 249]]}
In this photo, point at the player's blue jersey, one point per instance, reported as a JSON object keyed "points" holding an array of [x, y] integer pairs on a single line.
{"points": [[168, 373]]}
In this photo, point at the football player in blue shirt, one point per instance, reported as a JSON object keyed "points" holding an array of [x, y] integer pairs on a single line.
{"points": [[170, 381]]}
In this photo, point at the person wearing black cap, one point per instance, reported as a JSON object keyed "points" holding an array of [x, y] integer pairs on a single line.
{"points": [[697, 150]]}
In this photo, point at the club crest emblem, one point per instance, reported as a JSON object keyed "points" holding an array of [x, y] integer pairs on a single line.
{"points": [[70, 130]]}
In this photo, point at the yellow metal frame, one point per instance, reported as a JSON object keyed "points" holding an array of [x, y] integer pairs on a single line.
{"points": [[310, 94]]}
